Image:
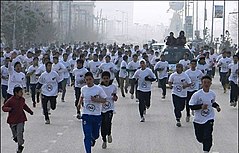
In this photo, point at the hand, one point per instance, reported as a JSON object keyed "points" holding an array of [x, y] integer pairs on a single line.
{"points": [[31, 113], [218, 109], [79, 106], [185, 86], [94, 99], [114, 97], [204, 106]]}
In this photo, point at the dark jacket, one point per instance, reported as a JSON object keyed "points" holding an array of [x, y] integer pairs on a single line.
{"points": [[15, 106]]}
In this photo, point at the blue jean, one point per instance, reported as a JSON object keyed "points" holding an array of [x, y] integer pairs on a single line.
{"points": [[4, 91], [91, 128], [34, 93]]}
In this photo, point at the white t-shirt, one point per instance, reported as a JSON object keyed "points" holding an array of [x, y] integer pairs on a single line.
{"points": [[234, 72], [225, 62], [109, 90], [140, 74], [15, 79], [123, 72], [90, 107], [178, 80], [41, 69], [67, 65], [185, 63], [203, 68], [133, 66], [49, 83], [60, 69], [201, 97], [79, 76], [73, 64], [110, 67], [164, 66], [94, 68], [209, 63], [4, 73], [213, 57], [195, 77], [33, 78]]}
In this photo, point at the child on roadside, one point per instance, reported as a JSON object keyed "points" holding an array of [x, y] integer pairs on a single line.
{"points": [[17, 117]]}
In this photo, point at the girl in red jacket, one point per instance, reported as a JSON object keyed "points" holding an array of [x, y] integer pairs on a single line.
{"points": [[17, 117]]}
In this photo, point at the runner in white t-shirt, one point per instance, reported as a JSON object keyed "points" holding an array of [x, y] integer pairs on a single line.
{"points": [[180, 81], [233, 78], [203, 102], [92, 98], [123, 76]]}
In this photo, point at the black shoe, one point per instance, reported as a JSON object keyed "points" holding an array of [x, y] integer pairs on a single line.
{"points": [[20, 148], [123, 95], [15, 139], [92, 143], [34, 104], [78, 116]]}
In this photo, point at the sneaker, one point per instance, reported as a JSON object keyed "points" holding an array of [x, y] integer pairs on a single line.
{"points": [[147, 107], [178, 124], [78, 116], [187, 118], [137, 100], [126, 91], [92, 143], [47, 122], [232, 103], [15, 139], [123, 95], [235, 104], [109, 138], [62, 100], [104, 145], [163, 97], [142, 119], [132, 96], [34, 104], [20, 148]]}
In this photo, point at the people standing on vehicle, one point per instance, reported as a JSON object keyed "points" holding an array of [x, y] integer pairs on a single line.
{"points": [[107, 108], [181, 39], [133, 66], [92, 98], [180, 81], [171, 40], [202, 102], [123, 76], [185, 62], [79, 81], [48, 82], [233, 78], [223, 63], [145, 77], [16, 116], [33, 81], [161, 69], [195, 75]]}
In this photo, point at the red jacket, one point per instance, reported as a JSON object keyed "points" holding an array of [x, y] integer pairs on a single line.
{"points": [[15, 106]]}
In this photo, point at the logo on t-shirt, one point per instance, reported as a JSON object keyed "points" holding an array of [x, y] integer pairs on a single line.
{"points": [[144, 84], [179, 88], [49, 87], [90, 107], [107, 105], [205, 112]]}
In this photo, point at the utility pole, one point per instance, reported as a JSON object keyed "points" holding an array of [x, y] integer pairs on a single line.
{"points": [[212, 21], [69, 28], [205, 18], [14, 27], [51, 11], [224, 14], [197, 16]]}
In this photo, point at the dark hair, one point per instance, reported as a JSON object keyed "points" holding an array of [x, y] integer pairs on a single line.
{"points": [[125, 57], [55, 57], [193, 60], [16, 90], [35, 58], [16, 64], [206, 77], [135, 55], [89, 74], [80, 61], [105, 73], [49, 62], [65, 54], [108, 56]]}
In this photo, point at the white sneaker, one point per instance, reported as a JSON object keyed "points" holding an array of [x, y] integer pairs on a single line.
{"points": [[109, 139], [47, 122], [187, 118], [132, 97], [232, 103], [142, 119], [178, 124], [104, 145]]}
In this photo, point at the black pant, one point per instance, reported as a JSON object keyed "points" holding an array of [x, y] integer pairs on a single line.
{"points": [[106, 124], [144, 101], [45, 100], [162, 84], [189, 95], [203, 134], [213, 71], [133, 87], [234, 92], [33, 93], [179, 105], [27, 83], [117, 78], [77, 96], [224, 78]]}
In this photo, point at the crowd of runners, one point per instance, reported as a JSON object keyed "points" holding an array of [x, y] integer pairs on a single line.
{"points": [[97, 71]]}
